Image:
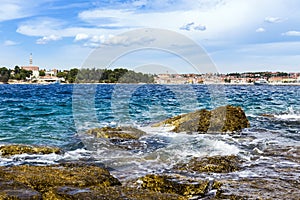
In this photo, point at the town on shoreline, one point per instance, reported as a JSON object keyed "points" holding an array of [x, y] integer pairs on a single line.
{"points": [[33, 75]]}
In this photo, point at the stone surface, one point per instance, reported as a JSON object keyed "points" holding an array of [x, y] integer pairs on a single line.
{"points": [[119, 132], [108, 193], [222, 119], [125, 138], [175, 185], [43, 178], [70, 181], [14, 190], [10, 150], [259, 188], [214, 164]]}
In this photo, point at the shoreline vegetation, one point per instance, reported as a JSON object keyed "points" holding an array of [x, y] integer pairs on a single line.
{"points": [[124, 76]]}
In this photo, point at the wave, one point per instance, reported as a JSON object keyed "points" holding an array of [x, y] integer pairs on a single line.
{"points": [[292, 114]]}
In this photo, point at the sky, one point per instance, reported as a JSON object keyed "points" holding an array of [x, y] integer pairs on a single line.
{"points": [[236, 35]]}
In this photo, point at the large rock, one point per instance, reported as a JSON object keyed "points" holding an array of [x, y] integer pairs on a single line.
{"points": [[119, 133], [125, 138], [14, 190], [42, 178], [108, 193], [222, 119], [10, 150], [214, 164], [70, 181], [175, 185]]}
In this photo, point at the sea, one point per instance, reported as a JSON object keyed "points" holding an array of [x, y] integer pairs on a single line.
{"points": [[60, 114]]}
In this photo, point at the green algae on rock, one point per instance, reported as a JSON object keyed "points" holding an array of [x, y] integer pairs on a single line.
{"points": [[175, 185], [222, 119], [14, 190], [39, 180], [69, 181], [10, 150], [119, 132], [214, 164], [107, 193]]}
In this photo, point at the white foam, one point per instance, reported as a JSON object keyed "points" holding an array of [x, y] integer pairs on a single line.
{"points": [[288, 116]]}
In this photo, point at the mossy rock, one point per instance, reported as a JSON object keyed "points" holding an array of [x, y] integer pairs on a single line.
{"points": [[130, 133], [41, 178], [107, 193], [14, 190], [222, 119], [10, 150], [214, 164], [169, 184]]}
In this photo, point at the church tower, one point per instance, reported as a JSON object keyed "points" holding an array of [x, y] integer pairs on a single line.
{"points": [[30, 59]]}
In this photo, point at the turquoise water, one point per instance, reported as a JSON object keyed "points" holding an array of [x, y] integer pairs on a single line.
{"points": [[58, 115], [43, 114]]}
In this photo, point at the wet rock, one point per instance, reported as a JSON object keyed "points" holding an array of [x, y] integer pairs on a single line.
{"points": [[15, 190], [170, 184], [260, 188], [107, 193], [214, 164], [222, 119], [41, 178], [268, 115], [117, 133], [10, 150], [125, 138]]}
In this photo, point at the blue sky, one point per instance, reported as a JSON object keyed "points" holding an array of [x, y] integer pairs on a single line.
{"points": [[238, 35]]}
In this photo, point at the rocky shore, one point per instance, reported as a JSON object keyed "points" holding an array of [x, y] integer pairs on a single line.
{"points": [[81, 180], [186, 180]]}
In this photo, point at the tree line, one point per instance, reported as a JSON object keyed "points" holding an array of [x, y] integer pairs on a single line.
{"points": [[17, 74], [119, 75], [86, 75]]}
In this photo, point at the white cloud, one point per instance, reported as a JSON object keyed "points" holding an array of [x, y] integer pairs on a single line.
{"points": [[46, 39], [81, 36], [274, 20], [15, 9], [260, 30], [191, 26], [187, 27], [227, 19], [200, 28], [10, 43], [291, 33], [119, 40]]}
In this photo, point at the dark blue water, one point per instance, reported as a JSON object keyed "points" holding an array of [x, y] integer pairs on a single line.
{"points": [[43, 114], [58, 115]]}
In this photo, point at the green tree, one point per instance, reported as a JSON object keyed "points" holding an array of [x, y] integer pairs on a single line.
{"points": [[25, 74], [42, 73], [61, 75], [17, 69], [4, 74], [72, 75]]}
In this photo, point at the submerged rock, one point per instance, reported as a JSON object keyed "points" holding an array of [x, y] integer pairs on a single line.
{"points": [[268, 115], [125, 138], [222, 119], [170, 184], [214, 164], [10, 150], [119, 132]]}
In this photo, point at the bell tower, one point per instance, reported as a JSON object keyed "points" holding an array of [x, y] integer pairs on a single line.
{"points": [[30, 59]]}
